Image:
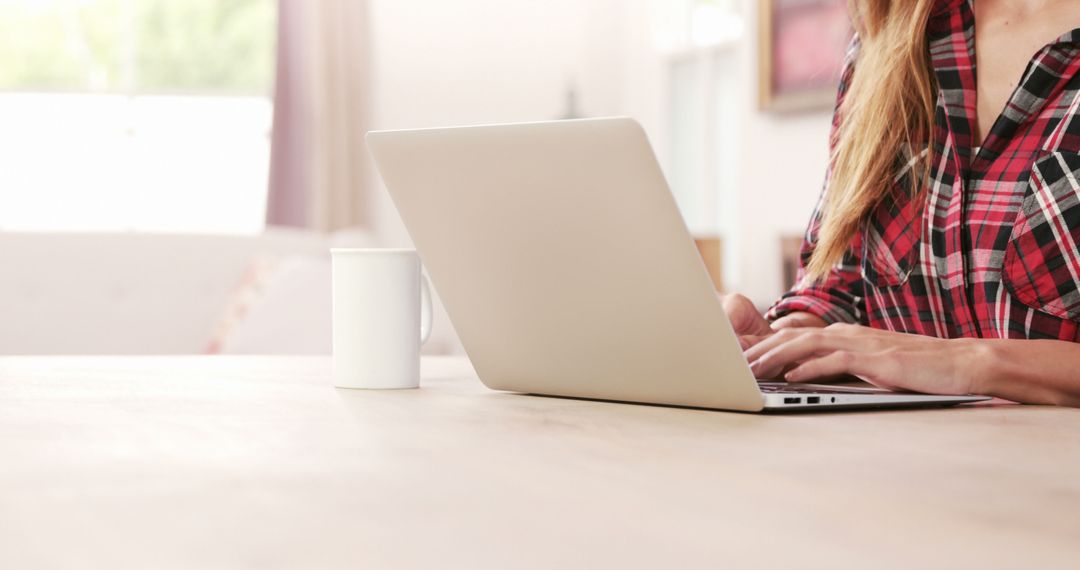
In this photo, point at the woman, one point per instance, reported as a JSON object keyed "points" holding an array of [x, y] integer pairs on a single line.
{"points": [[944, 255]]}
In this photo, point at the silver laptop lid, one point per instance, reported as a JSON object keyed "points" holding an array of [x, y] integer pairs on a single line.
{"points": [[564, 263]]}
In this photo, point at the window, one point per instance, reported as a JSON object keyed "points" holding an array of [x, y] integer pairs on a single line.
{"points": [[714, 22], [703, 101], [148, 115]]}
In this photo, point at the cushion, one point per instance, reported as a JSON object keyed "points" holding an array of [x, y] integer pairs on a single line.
{"points": [[281, 306]]}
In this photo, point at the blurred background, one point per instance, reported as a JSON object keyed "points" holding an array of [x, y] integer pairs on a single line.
{"points": [[173, 170]]}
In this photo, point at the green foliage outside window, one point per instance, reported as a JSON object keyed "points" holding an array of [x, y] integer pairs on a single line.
{"points": [[140, 46]]}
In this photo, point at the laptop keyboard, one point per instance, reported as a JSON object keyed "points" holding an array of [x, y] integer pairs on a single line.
{"points": [[785, 388]]}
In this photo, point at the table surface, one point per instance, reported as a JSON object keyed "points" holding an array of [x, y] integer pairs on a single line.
{"points": [[257, 462]]}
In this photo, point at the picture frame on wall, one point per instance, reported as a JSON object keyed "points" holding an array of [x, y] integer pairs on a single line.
{"points": [[801, 46]]}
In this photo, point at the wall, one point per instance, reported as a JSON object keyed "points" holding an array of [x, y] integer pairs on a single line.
{"points": [[490, 61], [782, 171], [784, 197]]}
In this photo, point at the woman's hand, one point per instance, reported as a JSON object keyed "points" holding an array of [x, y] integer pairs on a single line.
{"points": [[752, 328], [748, 323], [892, 360]]}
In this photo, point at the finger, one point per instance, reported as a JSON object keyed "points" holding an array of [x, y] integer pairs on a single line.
{"points": [[774, 340], [851, 337], [798, 319], [748, 341], [784, 322], [809, 344], [744, 316], [835, 363], [878, 368]]}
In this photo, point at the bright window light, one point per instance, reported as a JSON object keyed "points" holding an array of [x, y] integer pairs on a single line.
{"points": [[715, 21], [149, 115]]}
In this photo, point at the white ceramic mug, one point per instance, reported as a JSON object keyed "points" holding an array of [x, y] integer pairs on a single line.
{"points": [[381, 316]]}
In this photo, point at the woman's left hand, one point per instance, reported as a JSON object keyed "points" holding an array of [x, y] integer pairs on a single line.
{"points": [[892, 360]]}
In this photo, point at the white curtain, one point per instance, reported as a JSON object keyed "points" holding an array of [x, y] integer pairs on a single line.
{"points": [[318, 171]]}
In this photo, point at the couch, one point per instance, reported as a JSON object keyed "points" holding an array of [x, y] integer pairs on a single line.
{"points": [[138, 293]]}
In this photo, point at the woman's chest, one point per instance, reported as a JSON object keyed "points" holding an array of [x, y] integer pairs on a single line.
{"points": [[988, 229], [985, 244]]}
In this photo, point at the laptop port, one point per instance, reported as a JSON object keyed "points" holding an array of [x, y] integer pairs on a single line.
{"points": [[813, 400], [792, 400]]}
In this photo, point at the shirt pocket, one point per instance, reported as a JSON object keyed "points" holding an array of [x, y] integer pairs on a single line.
{"points": [[1041, 267], [891, 241]]}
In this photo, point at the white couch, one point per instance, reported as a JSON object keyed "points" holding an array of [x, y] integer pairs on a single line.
{"points": [[130, 293]]}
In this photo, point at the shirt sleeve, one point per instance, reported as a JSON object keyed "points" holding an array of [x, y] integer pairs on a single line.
{"points": [[838, 298]]}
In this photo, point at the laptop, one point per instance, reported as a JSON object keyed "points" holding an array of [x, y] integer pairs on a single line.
{"points": [[567, 270]]}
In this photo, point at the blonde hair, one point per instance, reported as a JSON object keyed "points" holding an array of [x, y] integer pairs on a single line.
{"points": [[888, 106]]}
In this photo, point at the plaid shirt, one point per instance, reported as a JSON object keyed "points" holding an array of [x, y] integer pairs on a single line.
{"points": [[993, 251]]}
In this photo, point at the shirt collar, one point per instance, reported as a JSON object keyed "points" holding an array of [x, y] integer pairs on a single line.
{"points": [[1072, 37], [942, 7]]}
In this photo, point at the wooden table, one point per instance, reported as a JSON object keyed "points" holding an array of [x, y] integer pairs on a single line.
{"points": [[255, 462]]}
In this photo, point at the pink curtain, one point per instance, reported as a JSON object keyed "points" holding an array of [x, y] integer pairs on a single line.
{"points": [[318, 165], [287, 203]]}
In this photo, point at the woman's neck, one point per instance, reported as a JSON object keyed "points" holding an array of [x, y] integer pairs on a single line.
{"points": [[1007, 34]]}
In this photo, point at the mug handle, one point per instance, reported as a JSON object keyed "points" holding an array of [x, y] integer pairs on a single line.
{"points": [[425, 309]]}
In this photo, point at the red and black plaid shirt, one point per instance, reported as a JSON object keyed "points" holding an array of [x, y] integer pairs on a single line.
{"points": [[995, 250]]}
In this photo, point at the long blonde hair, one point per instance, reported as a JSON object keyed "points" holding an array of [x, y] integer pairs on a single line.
{"points": [[889, 105]]}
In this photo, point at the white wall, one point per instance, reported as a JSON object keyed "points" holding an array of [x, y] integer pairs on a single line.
{"points": [[489, 61], [783, 168]]}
